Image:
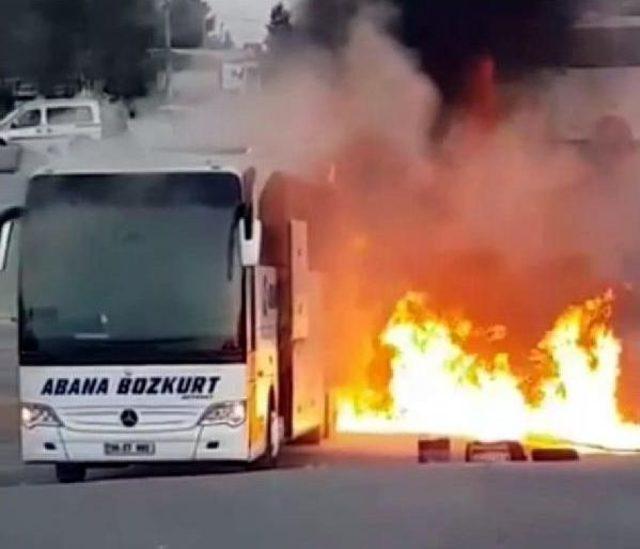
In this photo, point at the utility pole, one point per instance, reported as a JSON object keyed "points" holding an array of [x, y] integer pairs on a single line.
{"points": [[166, 8]]}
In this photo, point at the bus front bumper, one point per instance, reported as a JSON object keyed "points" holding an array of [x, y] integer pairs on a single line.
{"points": [[201, 443]]}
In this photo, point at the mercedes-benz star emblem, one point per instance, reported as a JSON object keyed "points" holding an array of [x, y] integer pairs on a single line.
{"points": [[129, 418]]}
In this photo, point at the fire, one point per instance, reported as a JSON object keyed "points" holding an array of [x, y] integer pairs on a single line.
{"points": [[440, 386]]}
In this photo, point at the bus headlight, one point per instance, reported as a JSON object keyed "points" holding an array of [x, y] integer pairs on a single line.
{"points": [[39, 415], [232, 413]]}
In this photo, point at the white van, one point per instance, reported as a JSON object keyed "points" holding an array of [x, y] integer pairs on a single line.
{"points": [[51, 125]]}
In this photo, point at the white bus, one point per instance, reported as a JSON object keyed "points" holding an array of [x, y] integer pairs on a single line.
{"points": [[149, 328]]}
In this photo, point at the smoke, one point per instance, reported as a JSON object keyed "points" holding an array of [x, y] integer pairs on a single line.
{"points": [[449, 38], [104, 43], [497, 218]]}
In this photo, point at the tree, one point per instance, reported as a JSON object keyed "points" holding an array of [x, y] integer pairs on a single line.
{"points": [[99, 41], [280, 28], [188, 23], [326, 22]]}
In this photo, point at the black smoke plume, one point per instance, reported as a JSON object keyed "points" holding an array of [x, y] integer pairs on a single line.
{"points": [[450, 36]]}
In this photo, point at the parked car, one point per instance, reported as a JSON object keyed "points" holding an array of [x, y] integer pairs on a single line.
{"points": [[53, 125]]}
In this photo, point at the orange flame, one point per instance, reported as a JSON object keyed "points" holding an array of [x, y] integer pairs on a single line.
{"points": [[439, 387]]}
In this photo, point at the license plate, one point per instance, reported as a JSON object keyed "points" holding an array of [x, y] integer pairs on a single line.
{"points": [[129, 448]]}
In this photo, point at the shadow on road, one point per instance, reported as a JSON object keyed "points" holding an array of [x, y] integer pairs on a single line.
{"points": [[19, 474]]}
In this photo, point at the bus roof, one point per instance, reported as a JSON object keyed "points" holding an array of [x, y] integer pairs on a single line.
{"points": [[115, 170], [117, 161]]}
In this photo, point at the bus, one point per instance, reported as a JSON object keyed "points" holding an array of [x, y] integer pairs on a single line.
{"points": [[152, 327]]}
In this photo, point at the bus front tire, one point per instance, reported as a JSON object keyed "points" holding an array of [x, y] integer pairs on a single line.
{"points": [[269, 460], [67, 473]]}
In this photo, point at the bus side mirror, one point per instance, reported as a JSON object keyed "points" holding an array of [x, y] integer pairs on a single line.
{"points": [[250, 228], [250, 242], [7, 222]]}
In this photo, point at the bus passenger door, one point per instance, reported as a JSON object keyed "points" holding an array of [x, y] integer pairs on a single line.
{"points": [[265, 314]]}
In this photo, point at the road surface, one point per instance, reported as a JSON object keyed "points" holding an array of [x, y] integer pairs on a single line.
{"points": [[350, 492], [333, 501]]}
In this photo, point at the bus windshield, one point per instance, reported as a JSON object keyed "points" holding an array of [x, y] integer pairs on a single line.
{"points": [[131, 268]]}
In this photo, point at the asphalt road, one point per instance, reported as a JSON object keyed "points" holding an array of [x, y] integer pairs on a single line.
{"points": [[350, 492], [328, 499]]}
